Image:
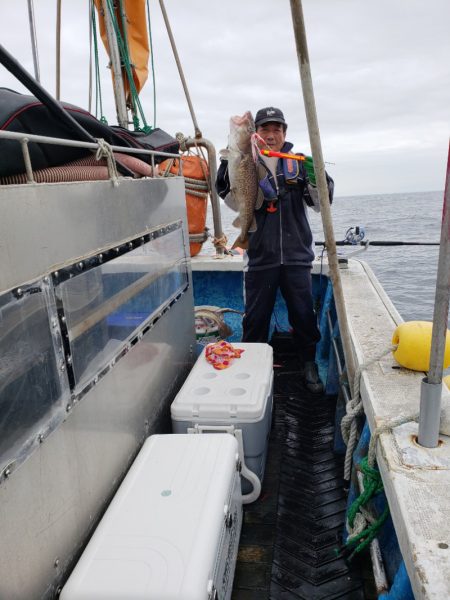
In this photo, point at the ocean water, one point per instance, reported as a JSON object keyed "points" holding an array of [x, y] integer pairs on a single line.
{"points": [[407, 273]]}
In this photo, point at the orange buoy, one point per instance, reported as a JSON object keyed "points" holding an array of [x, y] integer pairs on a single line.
{"points": [[196, 173]]}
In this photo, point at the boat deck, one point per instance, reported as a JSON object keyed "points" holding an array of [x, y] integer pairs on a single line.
{"points": [[291, 534]]}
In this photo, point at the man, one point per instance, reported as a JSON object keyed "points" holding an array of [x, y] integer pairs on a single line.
{"points": [[280, 251]]}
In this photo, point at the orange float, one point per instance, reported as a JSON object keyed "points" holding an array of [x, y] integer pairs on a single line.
{"points": [[195, 172]]}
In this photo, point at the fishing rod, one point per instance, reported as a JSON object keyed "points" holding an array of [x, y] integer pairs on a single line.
{"points": [[380, 243]]}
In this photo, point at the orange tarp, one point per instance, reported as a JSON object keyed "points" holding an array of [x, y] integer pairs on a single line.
{"points": [[137, 37]]}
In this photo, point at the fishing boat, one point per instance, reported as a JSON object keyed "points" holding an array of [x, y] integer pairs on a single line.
{"points": [[98, 297]]}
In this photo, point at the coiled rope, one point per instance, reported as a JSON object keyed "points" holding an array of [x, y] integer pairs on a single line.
{"points": [[220, 242], [362, 526], [354, 408]]}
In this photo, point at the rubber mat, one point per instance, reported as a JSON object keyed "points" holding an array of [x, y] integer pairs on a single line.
{"points": [[290, 535]]}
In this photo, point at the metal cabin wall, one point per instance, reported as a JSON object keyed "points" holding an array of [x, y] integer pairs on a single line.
{"points": [[50, 503]]}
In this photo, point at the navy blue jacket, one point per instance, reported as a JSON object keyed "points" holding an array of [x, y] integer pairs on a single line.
{"points": [[282, 237]]}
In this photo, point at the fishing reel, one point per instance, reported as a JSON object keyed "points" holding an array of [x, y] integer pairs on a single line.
{"points": [[354, 235]]}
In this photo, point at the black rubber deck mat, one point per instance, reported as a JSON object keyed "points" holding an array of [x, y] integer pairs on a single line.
{"points": [[290, 535]]}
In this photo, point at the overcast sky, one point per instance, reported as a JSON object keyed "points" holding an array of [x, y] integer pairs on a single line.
{"points": [[380, 73]]}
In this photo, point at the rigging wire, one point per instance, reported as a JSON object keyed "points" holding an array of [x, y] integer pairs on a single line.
{"points": [[58, 49], [90, 56], [125, 57], [98, 86], [34, 47], [152, 62], [198, 133], [126, 47]]}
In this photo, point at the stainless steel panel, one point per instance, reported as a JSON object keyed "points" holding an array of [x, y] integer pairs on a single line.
{"points": [[51, 501], [45, 226]]}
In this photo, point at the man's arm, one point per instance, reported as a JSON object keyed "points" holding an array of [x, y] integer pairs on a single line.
{"points": [[223, 186], [222, 179], [311, 194]]}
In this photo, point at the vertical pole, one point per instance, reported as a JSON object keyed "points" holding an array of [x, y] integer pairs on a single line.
{"points": [[198, 133], [58, 49], [319, 169], [34, 48], [116, 67], [90, 25], [431, 390]]}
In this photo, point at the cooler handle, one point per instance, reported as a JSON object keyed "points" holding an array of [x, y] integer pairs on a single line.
{"points": [[245, 471]]}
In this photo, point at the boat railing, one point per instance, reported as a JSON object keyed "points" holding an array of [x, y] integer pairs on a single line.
{"points": [[25, 138]]}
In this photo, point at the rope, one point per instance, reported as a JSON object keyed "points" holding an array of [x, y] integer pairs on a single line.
{"points": [[199, 238], [386, 428], [105, 151], [220, 242], [354, 408], [136, 105], [361, 524], [181, 139]]}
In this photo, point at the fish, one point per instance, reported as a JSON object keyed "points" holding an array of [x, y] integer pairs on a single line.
{"points": [[242, 172]]}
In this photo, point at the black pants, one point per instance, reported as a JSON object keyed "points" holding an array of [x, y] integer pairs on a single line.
{"points": [[296, 288]]}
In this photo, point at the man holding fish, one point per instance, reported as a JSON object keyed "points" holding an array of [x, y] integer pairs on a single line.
{"points": [[271, 192]]}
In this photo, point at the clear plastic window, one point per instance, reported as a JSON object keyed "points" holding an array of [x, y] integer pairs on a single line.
{"points": [[31, 392], [106, 305]]}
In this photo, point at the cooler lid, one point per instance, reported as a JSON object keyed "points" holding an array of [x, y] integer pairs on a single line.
{"points": [[159, 537], [239, 392]]}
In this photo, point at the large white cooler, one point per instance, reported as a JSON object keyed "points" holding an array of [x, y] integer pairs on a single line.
{"points": [[240, 395], [172, 530]]}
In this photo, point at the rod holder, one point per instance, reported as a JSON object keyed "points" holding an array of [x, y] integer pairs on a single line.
{"points": [[430, 413]]}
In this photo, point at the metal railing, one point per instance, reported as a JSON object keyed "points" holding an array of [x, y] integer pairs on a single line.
{"points": [[24, 139]]}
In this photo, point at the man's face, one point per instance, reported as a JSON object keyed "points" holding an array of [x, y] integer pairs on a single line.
{"points": [[273, 134]]}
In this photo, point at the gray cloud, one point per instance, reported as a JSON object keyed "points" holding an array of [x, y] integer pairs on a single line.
{"points": [[380, 73]]}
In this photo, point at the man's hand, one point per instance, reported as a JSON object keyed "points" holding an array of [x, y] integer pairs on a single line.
{"points": [[309, 168]]}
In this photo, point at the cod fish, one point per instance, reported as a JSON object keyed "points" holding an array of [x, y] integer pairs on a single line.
{"points": [[243, 176]]}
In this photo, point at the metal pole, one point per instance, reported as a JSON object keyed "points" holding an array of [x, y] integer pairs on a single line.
{"points": [[217, 219], [431, 390], [198, 133], [116, 67], [90, 8], [34, 47], [319, 168], [58, 49]]}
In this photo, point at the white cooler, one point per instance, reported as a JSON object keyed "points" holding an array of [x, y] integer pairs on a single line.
{"points": [[239, 396], [172, 530]]}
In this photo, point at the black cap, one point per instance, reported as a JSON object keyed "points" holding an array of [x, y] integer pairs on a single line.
{"points": [[269, 115]]}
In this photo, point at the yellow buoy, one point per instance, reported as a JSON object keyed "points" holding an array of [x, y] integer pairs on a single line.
{"points": [[414, 345]]}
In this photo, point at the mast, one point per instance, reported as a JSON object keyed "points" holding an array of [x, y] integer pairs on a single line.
{"points": [[431, 388], [322, 187], [116, 67], [34, 48]]}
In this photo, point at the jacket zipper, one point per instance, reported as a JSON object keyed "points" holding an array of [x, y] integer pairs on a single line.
{"points": [[279, 208]]}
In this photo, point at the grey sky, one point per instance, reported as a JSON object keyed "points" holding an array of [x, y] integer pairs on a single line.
{"points": [[380, 72]]}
